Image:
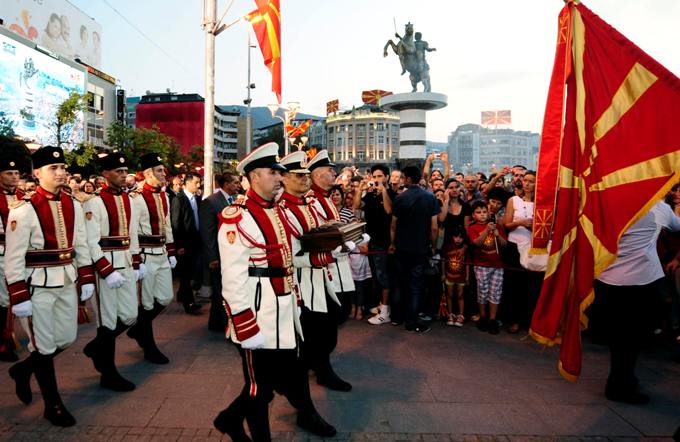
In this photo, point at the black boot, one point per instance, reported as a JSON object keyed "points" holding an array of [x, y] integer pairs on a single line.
{"points": [[111, 379], [55, 411], [230, 421], [328, 378], [21, 373], [142, 332], [257, 416], [94, 350], [315, 424], [217, 321], [7, 348]]}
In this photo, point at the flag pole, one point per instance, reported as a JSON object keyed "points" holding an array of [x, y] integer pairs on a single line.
{"points": [[209, 15], [248, 100]]}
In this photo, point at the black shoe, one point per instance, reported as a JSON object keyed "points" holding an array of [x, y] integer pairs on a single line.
{"points": [[58, 415], [21, 373], [332, 381], [191, 308], [226, 425], [154, 355], [483, 324], [420, 329], [92, 351], [315, 424], [494, 327], [633, 398], [115, 382]]}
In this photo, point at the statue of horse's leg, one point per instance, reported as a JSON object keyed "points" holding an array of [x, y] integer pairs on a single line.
{"points": [[414, 82]]}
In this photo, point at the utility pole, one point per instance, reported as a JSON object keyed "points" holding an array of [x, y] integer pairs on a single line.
{"points": [[248, 100], [209, 16]]}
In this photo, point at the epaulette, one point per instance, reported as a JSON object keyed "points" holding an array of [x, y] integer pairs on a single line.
{"points": [[232, 214], [17, 203]]}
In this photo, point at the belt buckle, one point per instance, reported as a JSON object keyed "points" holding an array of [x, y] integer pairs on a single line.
{"points": [[125, 242], [64, 256]]}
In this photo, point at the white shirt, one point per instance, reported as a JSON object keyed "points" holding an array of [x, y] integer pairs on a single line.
{"points": [[194, 205], [638, 262], [226, 196]]}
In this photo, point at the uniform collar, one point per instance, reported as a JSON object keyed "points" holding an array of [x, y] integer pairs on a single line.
{"points": [[298, 201], [319, 190], [111, 190], [252, 195], [148, 187], [48, 195], [9, 192]]}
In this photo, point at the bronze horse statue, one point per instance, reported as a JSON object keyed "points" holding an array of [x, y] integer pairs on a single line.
{"points": [[410, 61]]}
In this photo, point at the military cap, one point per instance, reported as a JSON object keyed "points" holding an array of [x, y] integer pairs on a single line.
{"points": [[150, 160], [295, 162], [47, 155], [265, 156], [112, 161], [14, 155], [320, 160]]}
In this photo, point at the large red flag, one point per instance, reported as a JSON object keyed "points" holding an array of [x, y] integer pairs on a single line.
{"points": [[266, 21], [608, 153]]}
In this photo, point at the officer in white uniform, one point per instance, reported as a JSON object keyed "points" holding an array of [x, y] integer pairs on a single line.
{"points": [[111, 221], [158, 254], [259, 290], [46, 256]]}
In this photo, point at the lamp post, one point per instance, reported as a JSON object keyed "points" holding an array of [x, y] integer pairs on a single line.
{"points": [[301, 144], [288, 114]]}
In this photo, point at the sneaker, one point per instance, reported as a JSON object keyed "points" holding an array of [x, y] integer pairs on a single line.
{"points": [[381, 318], [375, 310], [494, 327], [451, 319], [420, 329], [459, 321], [424, 317]]}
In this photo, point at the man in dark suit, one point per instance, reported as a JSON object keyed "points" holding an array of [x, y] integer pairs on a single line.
{"points": [[185, 226], [228, 185]]}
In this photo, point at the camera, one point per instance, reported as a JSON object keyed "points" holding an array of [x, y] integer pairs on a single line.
{"points": [[437, 156]]}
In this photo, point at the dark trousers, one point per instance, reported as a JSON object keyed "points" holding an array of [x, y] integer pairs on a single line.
{"points": [[321, 336], [623, 315], [189, 274], [264, 372], [520, 289], [411, 271]]}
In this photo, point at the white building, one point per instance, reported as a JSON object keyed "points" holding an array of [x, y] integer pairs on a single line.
{"points": [[226, 135]]}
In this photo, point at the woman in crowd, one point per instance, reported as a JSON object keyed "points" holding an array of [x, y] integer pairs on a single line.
{"points": [[88, 188], [669, 254]]}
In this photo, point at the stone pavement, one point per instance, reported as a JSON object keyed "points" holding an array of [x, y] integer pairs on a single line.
{"points": [[451, 384]]}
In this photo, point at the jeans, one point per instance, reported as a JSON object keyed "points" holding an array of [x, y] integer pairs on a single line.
{"points": [[411, 270]]}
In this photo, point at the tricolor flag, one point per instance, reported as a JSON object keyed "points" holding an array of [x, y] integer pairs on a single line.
{"points": [[266, 21], [610, 152]]}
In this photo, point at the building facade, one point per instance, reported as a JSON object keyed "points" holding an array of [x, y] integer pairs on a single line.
{"points": [[475, 148], [363, 136]]}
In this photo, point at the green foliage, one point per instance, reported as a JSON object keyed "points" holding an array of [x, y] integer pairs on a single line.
{"points": [[7, 126], [82, 159], [135, 142], [66, 116]]}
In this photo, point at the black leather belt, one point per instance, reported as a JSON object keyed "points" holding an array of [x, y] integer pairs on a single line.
{"points": [[49, 258], [2, 239], [267, 272], [109, 243], [151, 240]]}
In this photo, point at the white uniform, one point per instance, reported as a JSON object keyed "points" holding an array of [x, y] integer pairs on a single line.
{"points": [[156, 244], [111, 221], [43, 237], [6, 201], [253, 303]]}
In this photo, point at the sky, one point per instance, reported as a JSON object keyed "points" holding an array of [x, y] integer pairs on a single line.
{"points": [[491, 54]]}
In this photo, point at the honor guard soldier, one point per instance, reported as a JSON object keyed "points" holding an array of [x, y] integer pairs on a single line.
{"points": [[259, 292], [46, 255], [157, 252], [315, 281], [14, 159], [111, 222]]}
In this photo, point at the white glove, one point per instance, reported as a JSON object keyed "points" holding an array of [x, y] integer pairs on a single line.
{"points": [[350, 245], [23, 309], [336, 252], [253, 342], [141, 272], [115, 280], [365, 238], [86, 292], [173, 262]]}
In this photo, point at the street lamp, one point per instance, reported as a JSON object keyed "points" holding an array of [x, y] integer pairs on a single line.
{"points": [[301, 144], [288, 114]]}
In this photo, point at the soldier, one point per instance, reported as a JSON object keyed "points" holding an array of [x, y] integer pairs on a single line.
{"points": [[45, 257], [258, 288], [14, 159], [158, 254], [111, 222], [323, 177], [315, 280]]}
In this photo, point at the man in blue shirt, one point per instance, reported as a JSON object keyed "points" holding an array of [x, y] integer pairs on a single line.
{"points": [[414, 232]]}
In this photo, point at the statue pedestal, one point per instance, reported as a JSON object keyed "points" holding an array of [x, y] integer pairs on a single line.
{"points": [[412, 108]]}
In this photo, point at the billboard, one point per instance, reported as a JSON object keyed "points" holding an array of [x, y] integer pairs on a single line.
{"points": [[57, 25], [32, 86]]}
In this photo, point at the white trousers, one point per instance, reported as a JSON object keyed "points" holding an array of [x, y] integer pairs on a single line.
{"points": [[111, 304], [55, 318], [157, 285]]}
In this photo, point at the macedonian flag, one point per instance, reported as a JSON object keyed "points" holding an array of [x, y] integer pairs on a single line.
{"points": [[266, 21], [609, 151]]}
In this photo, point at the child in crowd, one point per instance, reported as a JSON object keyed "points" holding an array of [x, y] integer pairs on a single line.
{"points": [[487, 239], [361, 273], [456, 274]]}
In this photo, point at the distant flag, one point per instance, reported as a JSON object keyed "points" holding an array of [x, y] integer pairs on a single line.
{"points": [[495, 118], [296, 131], [311, 153], [609, 149], [266, 21], [332, 106], [373, 96]]}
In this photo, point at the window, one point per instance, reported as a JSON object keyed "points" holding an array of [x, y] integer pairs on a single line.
{"points": [[360, 155], [380, 126]]}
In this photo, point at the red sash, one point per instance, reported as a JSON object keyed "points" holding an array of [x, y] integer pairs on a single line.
{"points": [[41, 203], [108, 196]]}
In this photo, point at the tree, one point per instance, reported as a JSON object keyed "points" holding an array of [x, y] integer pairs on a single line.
{"points": [[7, 126], [66, 116], [82, 159], [135, 142]]}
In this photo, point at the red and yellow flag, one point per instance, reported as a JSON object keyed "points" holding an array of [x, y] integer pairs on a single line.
{"points": [[608, 153], [299, 130], [374, 96], [266, 21]]}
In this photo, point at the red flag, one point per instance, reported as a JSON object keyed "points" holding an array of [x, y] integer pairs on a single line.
{"points": [[374, 96], [332, 106], [296, 131], [266, 21], [613, 164], [496, 117]]}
